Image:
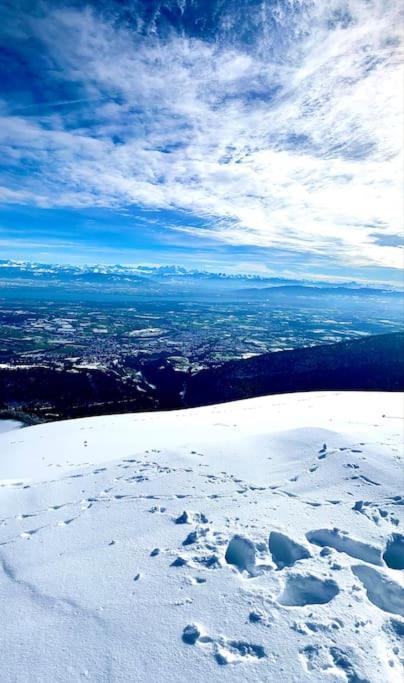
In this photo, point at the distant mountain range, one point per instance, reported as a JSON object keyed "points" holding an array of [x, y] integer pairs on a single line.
{"points": [[324, 290], [25, 273]]}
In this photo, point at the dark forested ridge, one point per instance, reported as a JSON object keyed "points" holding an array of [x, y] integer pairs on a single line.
{"points": [[370, 364], [47, 392]]}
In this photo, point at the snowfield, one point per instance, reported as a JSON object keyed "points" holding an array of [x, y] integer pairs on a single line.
{"points": [[252, 541], [9, 425]]}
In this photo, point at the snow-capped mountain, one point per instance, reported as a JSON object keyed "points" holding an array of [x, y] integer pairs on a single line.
{"points": [[12, 270]]}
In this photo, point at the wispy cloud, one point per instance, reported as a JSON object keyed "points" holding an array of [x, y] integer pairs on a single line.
{"points": [[292, 139]]}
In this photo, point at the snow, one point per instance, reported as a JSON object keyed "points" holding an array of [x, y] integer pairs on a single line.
{"points": [[252, 541], [147, 332], [9, 425]]}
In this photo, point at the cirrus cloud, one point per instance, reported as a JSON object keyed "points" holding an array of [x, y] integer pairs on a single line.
{"points": [[292, 139]]}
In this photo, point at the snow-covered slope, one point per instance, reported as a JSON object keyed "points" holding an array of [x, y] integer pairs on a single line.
{"points": [[9, 425], [252, 541]]}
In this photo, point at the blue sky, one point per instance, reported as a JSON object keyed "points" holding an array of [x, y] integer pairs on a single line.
{"points": [[234, 135]]}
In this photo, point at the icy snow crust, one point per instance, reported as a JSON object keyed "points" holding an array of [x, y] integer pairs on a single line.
{"points": [[252, 541]]}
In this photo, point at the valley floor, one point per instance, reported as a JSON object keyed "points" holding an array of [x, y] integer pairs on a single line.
{"points": [[251, 541]]}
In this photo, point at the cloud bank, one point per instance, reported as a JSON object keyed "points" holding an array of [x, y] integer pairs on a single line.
{"points": [[279, 124]]}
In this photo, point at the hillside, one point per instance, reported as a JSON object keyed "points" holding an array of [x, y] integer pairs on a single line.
{"points": [[369, 364], [251, 541], [49, 390]]}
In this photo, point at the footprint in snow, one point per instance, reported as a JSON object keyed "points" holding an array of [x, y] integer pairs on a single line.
{"points": [[241, 553], [31, 532], [225, 651], [179, 562], [343, 660], [340, 541], [322, 452], [306, 589], [285, 552], [381, 590], [258, 616], [315, 657], [208, 561], [394, 552], [187, 517]]}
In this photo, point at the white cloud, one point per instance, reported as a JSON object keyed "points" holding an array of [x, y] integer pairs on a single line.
{"points": [[295, 145]]}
